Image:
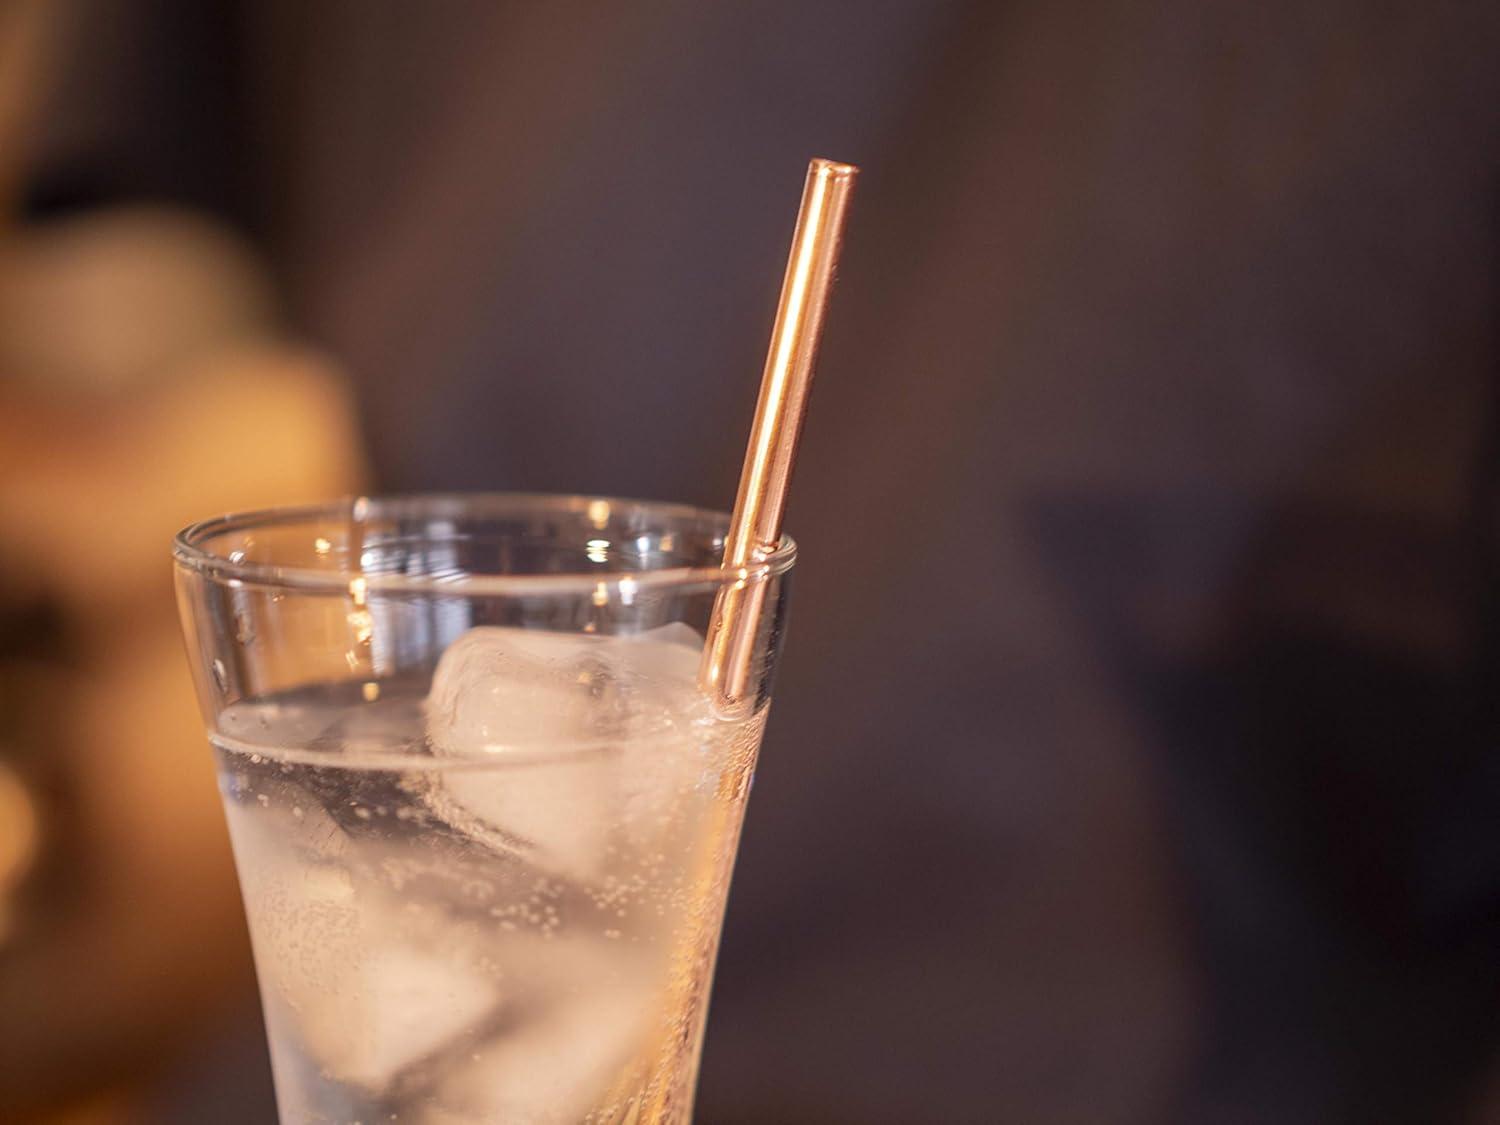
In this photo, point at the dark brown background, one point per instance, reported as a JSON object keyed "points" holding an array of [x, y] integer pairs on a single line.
{"points": [[1133, 754]]}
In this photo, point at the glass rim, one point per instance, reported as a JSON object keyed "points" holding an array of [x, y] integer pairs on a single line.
{"points": [[190, 553]]}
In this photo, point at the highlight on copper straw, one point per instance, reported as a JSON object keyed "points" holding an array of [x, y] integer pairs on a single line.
{"points": [[755, 526]]}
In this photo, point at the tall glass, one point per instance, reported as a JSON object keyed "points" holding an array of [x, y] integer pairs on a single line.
{"points": [[483, 814]]}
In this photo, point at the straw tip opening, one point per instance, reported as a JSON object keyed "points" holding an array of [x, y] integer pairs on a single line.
{"points": [[833, 169]]}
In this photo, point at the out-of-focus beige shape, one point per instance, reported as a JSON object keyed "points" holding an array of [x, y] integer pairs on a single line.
{"points": [[92, 492], [110, 300], [143, 385], [153, 934]]}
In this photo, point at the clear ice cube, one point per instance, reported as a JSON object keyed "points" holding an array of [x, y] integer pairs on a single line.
{"points": [[355, 973], [589, 1028], [600, 731]]}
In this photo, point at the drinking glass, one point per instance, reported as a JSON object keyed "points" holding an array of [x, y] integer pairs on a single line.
{"points": [[483, 813]]}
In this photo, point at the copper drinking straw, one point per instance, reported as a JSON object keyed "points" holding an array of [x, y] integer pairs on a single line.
{"points": [[755, 526]]}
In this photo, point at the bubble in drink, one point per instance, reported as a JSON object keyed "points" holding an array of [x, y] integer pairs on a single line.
{"points": [[494, 901]]}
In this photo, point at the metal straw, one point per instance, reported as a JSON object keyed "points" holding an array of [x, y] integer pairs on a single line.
{"points": [[755, 527]]}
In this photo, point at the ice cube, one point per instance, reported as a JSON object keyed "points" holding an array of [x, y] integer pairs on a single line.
{"points": [[586, 1040], [589, 730], [355, 974], [390, 1007], [500, 688]]}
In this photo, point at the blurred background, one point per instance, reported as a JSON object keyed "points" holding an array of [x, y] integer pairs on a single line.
{"points": [[1133, 757]]}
